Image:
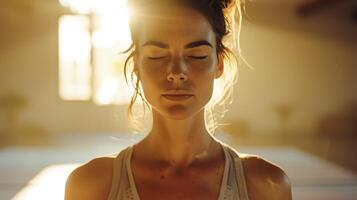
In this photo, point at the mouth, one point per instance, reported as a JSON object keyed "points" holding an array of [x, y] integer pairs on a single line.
{"points": [[177, 97]]}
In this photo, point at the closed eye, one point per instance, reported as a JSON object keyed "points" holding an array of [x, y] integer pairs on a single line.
{"points": [[198, 57], [156, 58]]}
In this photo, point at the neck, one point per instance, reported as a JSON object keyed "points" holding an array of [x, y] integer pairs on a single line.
{"points": [[179, 142]]}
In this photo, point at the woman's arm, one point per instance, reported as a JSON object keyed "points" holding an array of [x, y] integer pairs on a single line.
{"points": [[90, 181], [266, 180]]}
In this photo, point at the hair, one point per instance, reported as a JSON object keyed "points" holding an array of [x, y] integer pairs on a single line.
{"points": [[225, 18]]}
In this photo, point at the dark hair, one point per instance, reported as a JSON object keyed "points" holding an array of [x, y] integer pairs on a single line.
{"points": [[220, 14]]}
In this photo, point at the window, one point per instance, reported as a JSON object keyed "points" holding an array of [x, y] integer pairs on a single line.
{"points": [[91, 39]]}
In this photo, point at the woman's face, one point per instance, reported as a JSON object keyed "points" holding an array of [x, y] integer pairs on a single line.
{"points": [[176, 54]]}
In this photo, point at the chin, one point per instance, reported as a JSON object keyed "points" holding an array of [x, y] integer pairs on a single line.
{"points": [[180, 112]]}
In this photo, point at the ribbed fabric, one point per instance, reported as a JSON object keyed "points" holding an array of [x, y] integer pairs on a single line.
{"points": [[233, 181]]}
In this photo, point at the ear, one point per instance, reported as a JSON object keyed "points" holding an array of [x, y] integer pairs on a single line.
{"points": [[220, 67]]}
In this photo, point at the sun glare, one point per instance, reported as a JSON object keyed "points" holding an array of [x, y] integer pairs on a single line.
{"points": [[87, 40], [74, 54], [111, 19], [48, 184]]}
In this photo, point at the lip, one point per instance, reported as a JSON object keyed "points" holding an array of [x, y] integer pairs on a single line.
{"points": [[177, 92], [177, 97]]}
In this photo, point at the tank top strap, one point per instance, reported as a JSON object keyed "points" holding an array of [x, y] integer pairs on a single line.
{"points": [[224, 189], [236, 180], [131, 192], [120, 181]]}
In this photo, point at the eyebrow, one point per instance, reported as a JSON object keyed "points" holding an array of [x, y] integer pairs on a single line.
{"points": [[189, 45], [156, 43], [198, 43]]}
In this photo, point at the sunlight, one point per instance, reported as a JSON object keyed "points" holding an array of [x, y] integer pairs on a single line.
{"points": [[48, 184], [106, 91], [77, 6], [74, 38], [85, 75], [111, 23], [217, 89], [112, 90], [74, 58], [112, 30]]}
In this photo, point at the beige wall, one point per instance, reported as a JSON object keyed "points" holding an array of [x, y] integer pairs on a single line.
{"points": [[316, 76], [296, 62], [307, 63]]}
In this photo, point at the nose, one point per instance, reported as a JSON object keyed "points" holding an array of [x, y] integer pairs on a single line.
{"points": [[177, 77], [177, 72]]}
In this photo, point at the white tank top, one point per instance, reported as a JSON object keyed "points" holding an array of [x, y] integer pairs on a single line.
{"points": [[233, 185]]}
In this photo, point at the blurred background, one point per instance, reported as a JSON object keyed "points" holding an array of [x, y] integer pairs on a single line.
{"points": [[63, 97]]}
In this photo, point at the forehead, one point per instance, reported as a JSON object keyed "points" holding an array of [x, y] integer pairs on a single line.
{"points": [[175, 24]]}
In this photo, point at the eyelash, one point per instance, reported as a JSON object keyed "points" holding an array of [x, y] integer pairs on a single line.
{"points": [[156, 58], [194, 57], [198, 57]]}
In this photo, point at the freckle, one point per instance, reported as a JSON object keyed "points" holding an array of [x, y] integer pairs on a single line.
{"points": [[162, 176]]}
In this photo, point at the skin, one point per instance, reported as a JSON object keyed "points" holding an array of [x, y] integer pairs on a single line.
{"points": [[178, 156]]}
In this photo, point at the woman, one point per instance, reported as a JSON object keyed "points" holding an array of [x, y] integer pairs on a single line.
{"points": [[178, 53]]}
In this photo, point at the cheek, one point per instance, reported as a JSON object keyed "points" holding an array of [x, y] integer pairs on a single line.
{"points": [[203, 76], [206, 66], [203, 70], [152, 67], [150, 78], [205, 85]]}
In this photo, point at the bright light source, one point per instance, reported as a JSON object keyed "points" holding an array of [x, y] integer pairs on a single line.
{"points": [[99, 7], [110, 35], [77, 6], [74, 58], [112, 30], [48, 184]]}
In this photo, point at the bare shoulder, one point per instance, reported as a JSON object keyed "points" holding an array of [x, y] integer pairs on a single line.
{"points": [[91, 180], [265, 180]]}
